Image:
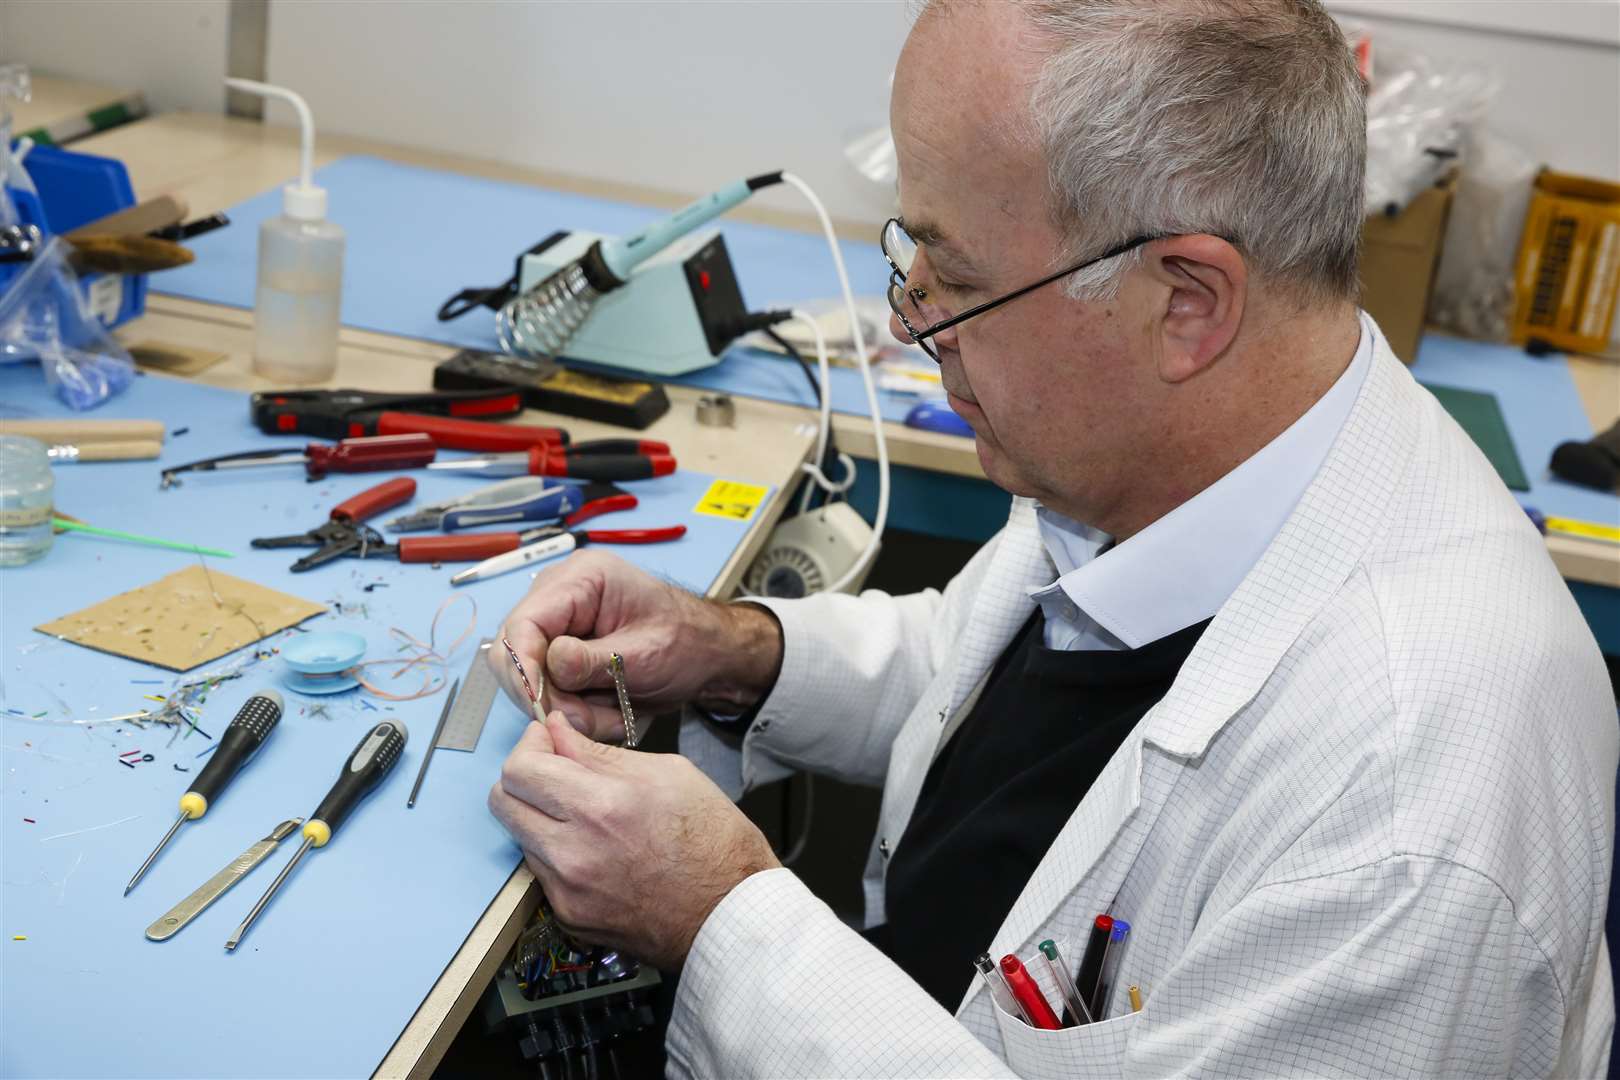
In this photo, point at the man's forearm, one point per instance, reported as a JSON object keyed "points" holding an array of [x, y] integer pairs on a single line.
{"points": [[747, 639]]}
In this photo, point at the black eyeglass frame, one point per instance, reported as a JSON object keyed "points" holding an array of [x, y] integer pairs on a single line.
{"points": [[897, 280]]}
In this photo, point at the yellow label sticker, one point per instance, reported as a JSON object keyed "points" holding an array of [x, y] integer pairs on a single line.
{"points": [[731, 499], [1591, 530]]}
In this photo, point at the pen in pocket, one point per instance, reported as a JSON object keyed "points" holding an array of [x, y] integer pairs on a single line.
{"points": [[1028, 994], [999, 991], [1075, 1010], [1117, 937], [1091, 961]]}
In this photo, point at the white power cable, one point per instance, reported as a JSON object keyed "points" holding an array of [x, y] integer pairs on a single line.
{"points": [[882, 517], [824, 433], [824, 436]]}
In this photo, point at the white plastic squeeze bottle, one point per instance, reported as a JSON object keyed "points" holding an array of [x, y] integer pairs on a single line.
{"points": [[300, 291]]}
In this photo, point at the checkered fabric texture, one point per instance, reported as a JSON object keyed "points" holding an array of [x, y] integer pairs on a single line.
{"points": [[1368, 832]]}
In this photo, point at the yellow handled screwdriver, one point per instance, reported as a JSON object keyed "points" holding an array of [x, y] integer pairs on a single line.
{"points": [[253, 724], [378, 752]]}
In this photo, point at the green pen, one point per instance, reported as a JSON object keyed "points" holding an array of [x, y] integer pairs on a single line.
{"points": [[1074, 1011]]}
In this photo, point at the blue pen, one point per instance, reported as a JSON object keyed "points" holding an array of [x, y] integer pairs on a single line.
{"points": [[1110, 969]]}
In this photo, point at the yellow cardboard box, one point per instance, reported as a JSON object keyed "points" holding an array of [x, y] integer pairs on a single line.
{"points": [[1569, 263]]}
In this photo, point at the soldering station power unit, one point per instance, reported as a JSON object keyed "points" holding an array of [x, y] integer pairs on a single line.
{"points": [[683, 307], [665, 301]]}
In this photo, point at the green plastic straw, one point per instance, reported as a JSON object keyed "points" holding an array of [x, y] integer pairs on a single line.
{"points": [[150, 541]]}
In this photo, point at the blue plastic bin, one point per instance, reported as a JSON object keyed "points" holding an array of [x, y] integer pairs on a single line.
{"points": [[76, 189]]}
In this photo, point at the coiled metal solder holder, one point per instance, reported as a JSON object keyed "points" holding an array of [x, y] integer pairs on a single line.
{"points": [[539, 321]]}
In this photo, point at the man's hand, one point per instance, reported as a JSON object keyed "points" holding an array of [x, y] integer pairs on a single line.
{"points": [[634, 850], [677, 648]]}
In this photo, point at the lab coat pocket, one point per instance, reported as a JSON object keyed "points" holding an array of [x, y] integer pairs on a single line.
{"points": [[1083, 1050]]}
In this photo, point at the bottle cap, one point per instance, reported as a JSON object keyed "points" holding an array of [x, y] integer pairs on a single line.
{"points": [[304, 203]]}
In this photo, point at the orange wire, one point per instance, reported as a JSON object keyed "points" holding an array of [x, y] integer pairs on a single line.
{"points": [[427, 655]]}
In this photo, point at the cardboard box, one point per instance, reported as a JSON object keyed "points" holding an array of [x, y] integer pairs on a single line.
{"points": [[1569, 263], [1399, 257]]}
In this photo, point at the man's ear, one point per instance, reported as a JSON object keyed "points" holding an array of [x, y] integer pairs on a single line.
{"points": [[1206, 286]]}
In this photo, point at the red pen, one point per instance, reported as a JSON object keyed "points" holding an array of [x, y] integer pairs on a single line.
{"points": [[1028, 994]]}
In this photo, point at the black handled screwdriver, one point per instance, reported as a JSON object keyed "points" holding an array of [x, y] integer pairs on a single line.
{"points": [[378, 752], [253, 724]]}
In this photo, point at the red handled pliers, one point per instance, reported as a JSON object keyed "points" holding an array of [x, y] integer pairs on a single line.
{"points": [[346, 534], [600, 459]]}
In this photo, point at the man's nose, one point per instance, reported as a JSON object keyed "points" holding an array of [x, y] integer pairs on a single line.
{"points": [[897, 329]]}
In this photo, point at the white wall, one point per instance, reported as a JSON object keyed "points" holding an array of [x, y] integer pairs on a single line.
{"points": [[1572, 20], [678, 96], [174, 50], [683, 94]]}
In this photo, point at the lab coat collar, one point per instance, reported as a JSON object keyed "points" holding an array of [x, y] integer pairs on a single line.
{"points": [[1337, 519], [1182, 568], [1003, 603]]}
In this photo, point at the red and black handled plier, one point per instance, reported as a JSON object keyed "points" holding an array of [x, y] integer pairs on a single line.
{"points": [[378, 453], [601, 459], [448, 416], [466, 547], [345, 533]]}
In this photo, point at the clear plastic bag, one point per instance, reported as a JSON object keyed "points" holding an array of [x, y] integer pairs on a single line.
{"points": [[45, 317], [1474, 292], [1418, 114]]}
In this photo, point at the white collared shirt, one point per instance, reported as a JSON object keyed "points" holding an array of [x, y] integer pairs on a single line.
{"points": [[1180, 570]]}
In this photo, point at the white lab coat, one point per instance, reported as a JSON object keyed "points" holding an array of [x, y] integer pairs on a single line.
{"points": [[1367, 832]]}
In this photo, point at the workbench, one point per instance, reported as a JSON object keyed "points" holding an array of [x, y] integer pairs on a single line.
{"points": [[214, 162]]}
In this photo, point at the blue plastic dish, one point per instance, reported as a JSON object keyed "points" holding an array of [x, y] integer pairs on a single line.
{"points": [[314, 660], [937, 416]]}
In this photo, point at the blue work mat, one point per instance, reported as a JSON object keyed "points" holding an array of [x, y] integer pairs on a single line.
{"points": [[1541, 406], [418, 236], [335, 968]]}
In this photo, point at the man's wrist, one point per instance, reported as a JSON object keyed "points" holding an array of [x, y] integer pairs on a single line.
{"points": [[742, 873], [750, 640]]}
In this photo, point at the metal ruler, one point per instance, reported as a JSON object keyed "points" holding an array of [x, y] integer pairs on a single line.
{"points": [[466, 720]]}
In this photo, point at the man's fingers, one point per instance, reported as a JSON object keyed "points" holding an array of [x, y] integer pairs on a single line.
{"points": [[574, 664], [595, 712], [565, 598], [534, 832], [536, 739], [557, 786], [575, 747]]}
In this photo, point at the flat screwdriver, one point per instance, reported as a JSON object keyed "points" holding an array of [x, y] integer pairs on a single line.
{"points": [[378, 752], [241, 740]]}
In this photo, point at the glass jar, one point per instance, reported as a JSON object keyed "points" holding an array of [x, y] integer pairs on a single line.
{"points": [[26, 490]]}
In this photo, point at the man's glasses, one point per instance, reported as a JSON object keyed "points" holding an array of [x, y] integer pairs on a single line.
{"points": [[901, 251]]}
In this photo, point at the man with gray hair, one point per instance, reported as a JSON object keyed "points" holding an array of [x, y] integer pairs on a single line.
{"points": [[1265, 664]]}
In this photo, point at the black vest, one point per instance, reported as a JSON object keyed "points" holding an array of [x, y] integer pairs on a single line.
{"points": [[1002, 788]]}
